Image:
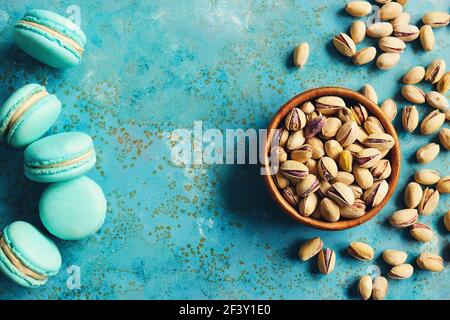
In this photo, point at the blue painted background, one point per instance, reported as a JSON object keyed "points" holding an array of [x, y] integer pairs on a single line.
{"points": [[204, 232]]}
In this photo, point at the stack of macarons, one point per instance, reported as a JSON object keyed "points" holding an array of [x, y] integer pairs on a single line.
{"points": [[72, 206]]}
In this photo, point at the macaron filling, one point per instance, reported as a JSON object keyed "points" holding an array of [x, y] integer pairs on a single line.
{"points": [[65, 163], [15, 261]]}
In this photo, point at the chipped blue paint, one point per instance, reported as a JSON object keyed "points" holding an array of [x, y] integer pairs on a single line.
{"points": [[203, 232]]}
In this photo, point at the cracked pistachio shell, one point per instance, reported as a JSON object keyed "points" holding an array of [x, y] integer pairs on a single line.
{"points": [[369, 92], [406, 33], [435, 71], [394, 257], [357, 191], [295, 120], [345, 160], [345, 177], [314, 126], [281, 181], [447, 220], [413, 195], [429, 201], [347, 133], [361, 134], [323, 188], [403, 218], [364, 56], [318, 150], [294, 169], [354, 149], [363, 177], [327, 168], [367, 158], [344, 44], [346, 114], [329, 210], [373, 125], [331, 127], [341, 194], [432, 122], [437, 100], [295, 141], [307, 186], [421, 232], [427, 177], [436, 19], [413, 94], [356, 210], [414, 75], [444, 84], [280, 137], [308, 107], [358, 8], [308, 204], [376, 193], [380, 287], [410, 118], [333, 149], [430, 262], [326, 261], [426, 37], [277, 154], [379, 30], [311, 164], [382, 170], [389, 108], [427, 153], [310, 248], [360, 114], [391, 44], [302, 154], [443, 186], [360, 251], [401, 20], [290, 196], [390, 10], [301, 54], [358, 31], [329, 105], [387, 60], [403, 271], [365, 287]]}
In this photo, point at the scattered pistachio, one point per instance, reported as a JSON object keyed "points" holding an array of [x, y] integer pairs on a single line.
{"points": [[358, 31], [389, 108], [414, 76], [387, 60], [410, 118], [413, 94], [443, 186], [358, 8], [404, 218], [310, 248], [430, 262], [447, 220], [345, 45], [365, 287], [401, 20], [364, 56], [403, 271], [436, 19], [390, 10], [427, 153], [427, 38], [360, 251], [427, 177], [421, 232], [437, 100], [301, 54], [391, 44], [432, 122], [413, 195], [379, 30], [444, 84], [429, 201], [406, 33], [394, 257], [326, 261], [380, 287], [369, 92], [435, 71]]}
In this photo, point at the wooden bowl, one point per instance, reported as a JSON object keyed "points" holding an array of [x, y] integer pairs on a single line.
{"points": [[394, 156]]}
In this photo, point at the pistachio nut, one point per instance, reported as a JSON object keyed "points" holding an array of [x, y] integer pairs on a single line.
{"points": [[387, 60], [326, 261], [363, 177], [323, 188], [379, 30], [331, 127], [345, 160], [391, 44], [360, 251], [361, 134], [310, 248], [347, 133], [401, 20], [380, 287], [390, 11], [437, 100], [301, 54], [358, 8], [308, 204], [358, 31], [294, 169], [389, 108], [403, 218], [280, 137], [421, 232], [376, 193], [311, 164], [295, 120], [430, 262], [429, 201], [369, 92], [357, 191], [369, 157], [346, 114], [318, 150], [436, 19], [435, 71], [413, 94], [432, 122], [344, 44], [314, 126], [345, 177], [365, 287], [356, 210], [295, 140], [360, 113], [308, 107], [333, 149], [329, 105], [410, 118], [364, 56], [444, 84], [427, 153], [403, 271], [406, 32], [307, 186], [290, 196], [341, 194], [443, 186], [354, 149], [394, 257], [280, 180], [278, 155], [427, 177], [302, 154], [414, 76], [426, 37], [373, 125], [327, 168], [413, 195], [382, 170], [447, 220], [329, 210], [316, 214]]}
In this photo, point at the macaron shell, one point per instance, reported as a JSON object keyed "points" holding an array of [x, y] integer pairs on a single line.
{"points": [[35, 122], [11, 272], [74, 209], [17, 98]]}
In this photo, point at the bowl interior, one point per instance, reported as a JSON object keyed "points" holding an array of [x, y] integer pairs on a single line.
{"points": [[393, 156]]}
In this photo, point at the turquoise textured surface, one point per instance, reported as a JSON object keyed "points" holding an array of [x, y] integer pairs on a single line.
{"points": [[205, 231]]}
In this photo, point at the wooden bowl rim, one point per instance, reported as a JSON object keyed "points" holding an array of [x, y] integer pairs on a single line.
{"points": [[373, 109]]}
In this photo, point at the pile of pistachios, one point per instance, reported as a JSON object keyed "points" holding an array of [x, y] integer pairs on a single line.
{"points": [[331, 157]]}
